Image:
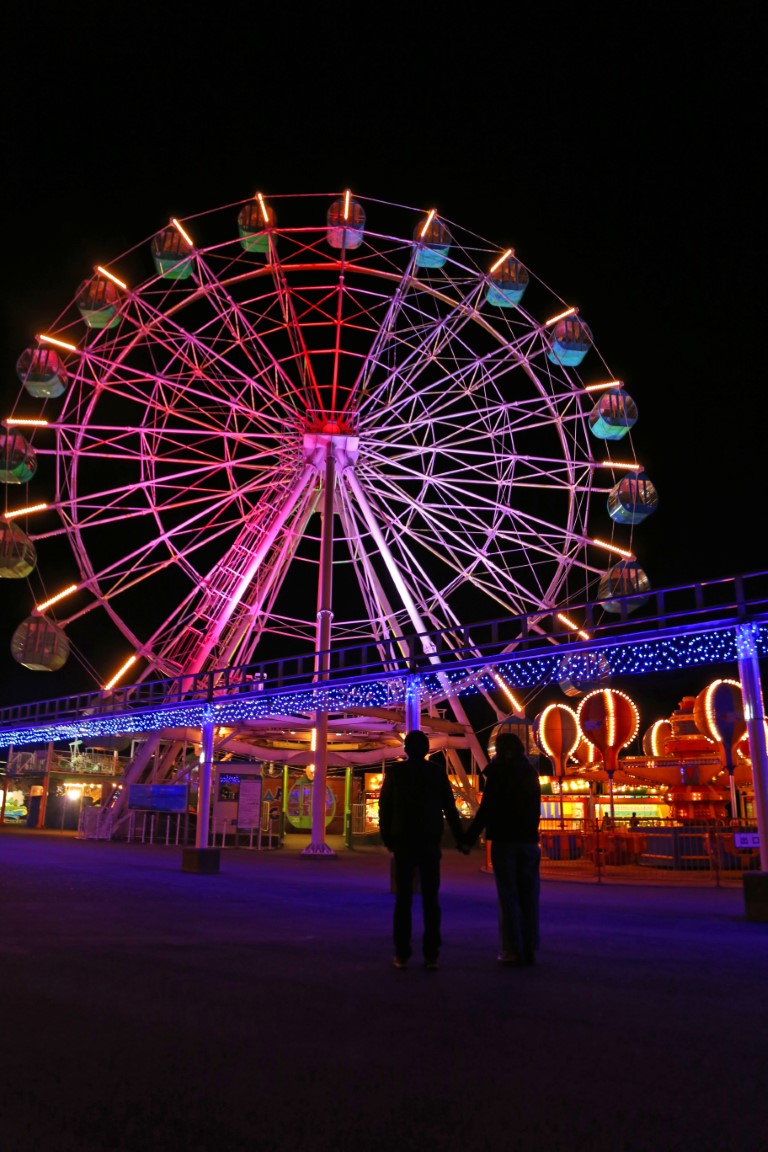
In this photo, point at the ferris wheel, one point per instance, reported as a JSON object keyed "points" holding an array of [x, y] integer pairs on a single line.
{"points": [[301, 420]]}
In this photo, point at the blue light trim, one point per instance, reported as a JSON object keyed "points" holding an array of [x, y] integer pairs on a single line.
{"points": [[633, 656]]}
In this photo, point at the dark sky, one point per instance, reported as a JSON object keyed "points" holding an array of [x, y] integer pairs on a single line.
{"points": [[617, 152]]}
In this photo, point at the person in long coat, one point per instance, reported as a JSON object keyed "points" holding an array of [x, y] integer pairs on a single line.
{"points": [[510, 811], [415, 800]]}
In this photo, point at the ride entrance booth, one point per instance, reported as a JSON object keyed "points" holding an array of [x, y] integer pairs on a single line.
{"points": [[240, 815]]}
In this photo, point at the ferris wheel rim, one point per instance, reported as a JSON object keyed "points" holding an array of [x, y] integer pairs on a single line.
{"points": [[580, 490]]}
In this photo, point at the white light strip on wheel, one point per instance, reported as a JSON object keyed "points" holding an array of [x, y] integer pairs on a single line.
{"points": [[560, 316], [110, 276], [346, 204], [264, 213], [509, 252], [23, 511], [606, 384], [611, 548], [120, 673], [508, 693], [40, 608], [574, 627], [430, 218], [22, 422], [620, 464], [181, 231], [43, 339]]}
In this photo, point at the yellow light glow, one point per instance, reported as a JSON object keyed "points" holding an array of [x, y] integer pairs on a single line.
{"points": [[44, 339], [709, 707], [620, 464], [509, 252], [181, 231], [120, 673], [560, 316], [24, 511], [612, 548], [110, 276], [607, 384], [609, 696], [21, 422], [430, 218], [264, 213], [656, 747], [40, 608], [508, 693], [610, 710], [540, 733], [346, 204], [574, 627]]}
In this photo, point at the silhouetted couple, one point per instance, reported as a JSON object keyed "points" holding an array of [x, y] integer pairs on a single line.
{"points": [[416, 798]]}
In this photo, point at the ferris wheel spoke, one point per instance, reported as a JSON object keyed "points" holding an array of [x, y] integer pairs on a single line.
{"points": [[192, 361], [239, 322], [426, 338]]}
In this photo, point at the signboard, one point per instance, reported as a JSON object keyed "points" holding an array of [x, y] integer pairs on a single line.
{"points": [[249, 802], [746, 840], [158, 797]]}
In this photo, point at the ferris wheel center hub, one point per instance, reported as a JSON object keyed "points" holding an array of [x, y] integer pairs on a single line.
{"points": [[315, 442]]}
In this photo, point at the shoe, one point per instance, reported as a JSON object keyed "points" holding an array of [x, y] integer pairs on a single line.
{"points": [[431, 965], [399, 963], [510, 959]]}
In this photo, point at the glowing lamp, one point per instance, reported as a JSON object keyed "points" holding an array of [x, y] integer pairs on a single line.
{"points": [[609, 719], [655, 738], [556, 732], [718, 713]]}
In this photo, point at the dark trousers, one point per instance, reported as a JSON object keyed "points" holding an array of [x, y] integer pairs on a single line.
{"points": [[516, 872], [424, 863]]}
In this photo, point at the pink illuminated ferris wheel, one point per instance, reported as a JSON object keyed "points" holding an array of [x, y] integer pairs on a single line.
{"points": [[298, 421]]}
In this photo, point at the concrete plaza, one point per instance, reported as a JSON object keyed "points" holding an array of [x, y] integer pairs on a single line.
{"points": [[149, 1008]]}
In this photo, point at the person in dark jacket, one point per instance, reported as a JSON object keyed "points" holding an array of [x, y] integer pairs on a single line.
{"points": [[415, 797], [510, 811]]}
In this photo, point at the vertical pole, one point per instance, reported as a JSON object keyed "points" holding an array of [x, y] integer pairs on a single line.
{"points": [[204, 781], [754, 714], [284, 805], [412, 703], [348, 806], [7, 779], [317, 845]]}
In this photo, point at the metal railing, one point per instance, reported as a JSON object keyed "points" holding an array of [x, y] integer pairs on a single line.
{"points": [[177, 829], [712, 606], [653, 852]]}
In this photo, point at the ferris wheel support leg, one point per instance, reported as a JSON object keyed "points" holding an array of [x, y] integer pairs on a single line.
{"points": [[318, 846], [412, 704], [204, 784], [754, 714]]}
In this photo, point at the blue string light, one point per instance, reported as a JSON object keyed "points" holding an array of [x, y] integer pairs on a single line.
{"points": [[631, 657]]}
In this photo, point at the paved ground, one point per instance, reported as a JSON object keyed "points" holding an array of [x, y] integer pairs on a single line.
{"points": [[149, 1008]]}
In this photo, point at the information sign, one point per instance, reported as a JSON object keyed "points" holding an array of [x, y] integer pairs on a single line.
{"points": [[158, 797], [249, 803]]}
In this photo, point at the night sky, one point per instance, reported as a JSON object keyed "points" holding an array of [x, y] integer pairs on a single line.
{"points": [[617, 153]]}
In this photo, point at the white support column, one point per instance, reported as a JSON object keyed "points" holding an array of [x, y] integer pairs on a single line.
{"points": [[318, 845], [754, 715], [412, 704], [204, 781]]}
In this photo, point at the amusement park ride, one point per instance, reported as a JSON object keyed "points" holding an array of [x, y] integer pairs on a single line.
{"points": [[320, 423]]}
